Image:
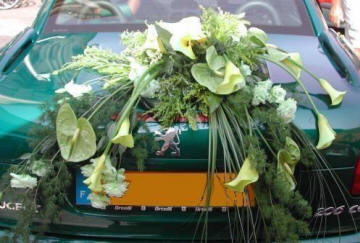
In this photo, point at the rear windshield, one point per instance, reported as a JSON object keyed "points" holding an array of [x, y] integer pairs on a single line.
{"points": [[274, 16]]}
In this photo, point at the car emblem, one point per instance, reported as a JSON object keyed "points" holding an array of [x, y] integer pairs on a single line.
{"points": [[171, 139]]}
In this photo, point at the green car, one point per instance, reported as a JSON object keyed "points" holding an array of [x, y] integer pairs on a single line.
{"points": [[64, 28]]}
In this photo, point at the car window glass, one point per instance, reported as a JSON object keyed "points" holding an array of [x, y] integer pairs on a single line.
{"points": [[67, 15]]}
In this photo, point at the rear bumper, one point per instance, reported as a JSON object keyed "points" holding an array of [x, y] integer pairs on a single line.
{"points": [[350, 238]]}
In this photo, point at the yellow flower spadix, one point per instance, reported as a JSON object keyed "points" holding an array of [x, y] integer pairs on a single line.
{"points": [[124, 137], [247, 175], [335, 95], [326, 133], [182, 44]]}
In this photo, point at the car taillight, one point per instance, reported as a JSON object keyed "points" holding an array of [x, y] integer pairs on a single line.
{"points": [[355, 189]]}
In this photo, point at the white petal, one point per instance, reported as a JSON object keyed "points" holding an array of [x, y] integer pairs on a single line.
{"points": [[87, 170], [98, 200], [77, 90], [22, 181], [39, 168], [116, 189]]}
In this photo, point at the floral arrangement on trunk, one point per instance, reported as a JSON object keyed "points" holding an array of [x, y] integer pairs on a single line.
{"points": [[213, 66]]}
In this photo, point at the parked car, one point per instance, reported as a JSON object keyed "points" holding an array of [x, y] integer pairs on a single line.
{"points": [[64, 29]]}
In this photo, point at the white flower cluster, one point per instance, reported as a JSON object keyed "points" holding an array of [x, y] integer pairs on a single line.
{"points": [[264, 91], [261, 92], [287, 110], [113, 183], [75, 90], [24, 180], [147, 53]]}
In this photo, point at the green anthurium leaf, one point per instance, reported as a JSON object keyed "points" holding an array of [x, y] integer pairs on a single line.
{"points": [[233, 80], [76, 138], [66, 121], [257, 36], [289, 177], [164, 36], [215, 62], [214, 102], [284, 167], [283, 157], [205, 76], [293, 150]]}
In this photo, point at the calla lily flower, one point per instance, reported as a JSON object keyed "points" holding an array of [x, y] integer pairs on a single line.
{"points": [[326, 133], [182, 44], [335, 95], [124, 137], [183, 33], [233, 80], [247, 175], [153, 41], [289, 62], [94, 180]]}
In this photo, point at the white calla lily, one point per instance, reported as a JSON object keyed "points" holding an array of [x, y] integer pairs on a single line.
{"points": [[335, 95], [94, 180], [153, 41], [124, 137], [247, 175], [183, 33], [326, 133]]}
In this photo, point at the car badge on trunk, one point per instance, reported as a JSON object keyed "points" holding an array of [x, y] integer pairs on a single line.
{"points": [[171, 139]]}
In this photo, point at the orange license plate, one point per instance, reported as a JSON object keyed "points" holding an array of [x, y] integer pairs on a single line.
{"points": [[176, 189]]}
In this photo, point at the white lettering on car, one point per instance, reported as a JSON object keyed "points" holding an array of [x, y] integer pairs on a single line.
{"points": [[329, 211]]}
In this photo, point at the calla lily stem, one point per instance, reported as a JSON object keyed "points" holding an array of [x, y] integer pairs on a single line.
{"points": [[152, 71], [106, 100], [266, 58]]}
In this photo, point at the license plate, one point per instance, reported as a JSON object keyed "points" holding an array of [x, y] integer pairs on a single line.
{"points": [[171, 189]]}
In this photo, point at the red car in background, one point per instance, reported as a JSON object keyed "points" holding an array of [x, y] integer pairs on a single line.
{"points": [[324, 1]]}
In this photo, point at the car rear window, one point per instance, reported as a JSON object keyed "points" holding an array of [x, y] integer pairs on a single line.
{"points": [[274, 16]]}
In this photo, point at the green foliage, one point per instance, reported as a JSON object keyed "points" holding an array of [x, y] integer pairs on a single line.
{"points": [[145, 144], [43, 203], [103, 61], [220, 27], [180, 97], [275, 128]]}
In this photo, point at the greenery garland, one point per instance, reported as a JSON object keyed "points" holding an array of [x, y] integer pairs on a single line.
{"points": [[212, 67]]}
